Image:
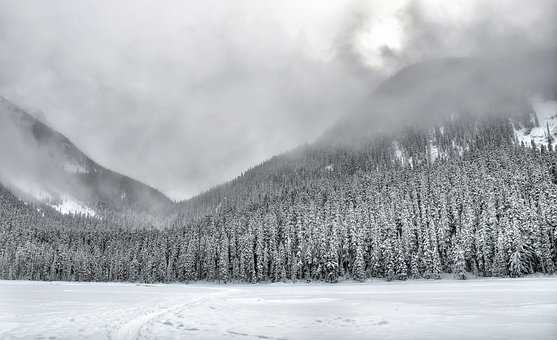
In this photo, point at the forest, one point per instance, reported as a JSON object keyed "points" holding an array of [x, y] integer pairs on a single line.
{"points": [[465, 199]]}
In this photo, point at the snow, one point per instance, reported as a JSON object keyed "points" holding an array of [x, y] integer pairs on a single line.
{"points": [[546, 113], [65, 205], [433, 152], [457, 147], [61, 202], [75, 168], [70, 206], [442, 130], [399, 156], [444, 309]]}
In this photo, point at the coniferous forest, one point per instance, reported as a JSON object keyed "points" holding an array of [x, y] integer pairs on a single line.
{"points": [[464, 199]]}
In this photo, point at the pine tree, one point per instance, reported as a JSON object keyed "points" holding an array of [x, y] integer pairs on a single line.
{"points": [[459, 270]]}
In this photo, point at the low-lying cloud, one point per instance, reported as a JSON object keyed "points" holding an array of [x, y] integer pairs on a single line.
{"points": [[184, 95]]}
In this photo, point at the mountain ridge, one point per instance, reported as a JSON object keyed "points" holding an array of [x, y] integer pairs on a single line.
{"points": [[58, 171]]}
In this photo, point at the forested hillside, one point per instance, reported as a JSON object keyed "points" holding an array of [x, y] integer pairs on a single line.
{"points": [[449, 168], [465, 197]]}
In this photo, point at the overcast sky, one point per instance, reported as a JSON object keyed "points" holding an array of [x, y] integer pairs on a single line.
{"points": [[184, 95]]}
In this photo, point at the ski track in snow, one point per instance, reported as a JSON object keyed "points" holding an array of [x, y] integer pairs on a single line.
{"points": [[133, 329], [446, 309]]}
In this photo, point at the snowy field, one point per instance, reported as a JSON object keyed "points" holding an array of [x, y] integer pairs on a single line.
{"points": [[474, 309]]}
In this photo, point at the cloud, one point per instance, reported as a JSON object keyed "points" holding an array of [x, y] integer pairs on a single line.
{"points": [[399, 33], [184, 95], [474, 57]]}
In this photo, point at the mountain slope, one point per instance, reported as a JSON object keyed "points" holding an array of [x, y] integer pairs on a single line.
{"points": [[460, 193], [42, 165], [427, 111]]}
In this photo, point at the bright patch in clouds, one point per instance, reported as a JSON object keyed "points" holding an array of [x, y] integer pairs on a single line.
{"points": [[380, 38], [386, 38]]}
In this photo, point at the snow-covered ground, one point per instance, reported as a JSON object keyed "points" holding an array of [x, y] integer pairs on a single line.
{"points": [[474, 309]]}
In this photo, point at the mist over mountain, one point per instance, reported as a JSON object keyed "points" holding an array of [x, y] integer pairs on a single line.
{"points": [[437, 108], [186, 96], [421, 98], [42, 166], [426, 94]]}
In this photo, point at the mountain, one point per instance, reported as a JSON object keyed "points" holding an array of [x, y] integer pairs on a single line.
{"points": [[425, 112], [41, 165], [449, 169]]}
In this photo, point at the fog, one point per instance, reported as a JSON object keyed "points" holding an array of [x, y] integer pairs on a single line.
{"points": [[184, 95]]}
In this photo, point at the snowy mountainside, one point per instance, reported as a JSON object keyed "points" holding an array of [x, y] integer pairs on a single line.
{"points": [[427, 112], [16, 213], [43, 166], [540, 130], [544, 126]]}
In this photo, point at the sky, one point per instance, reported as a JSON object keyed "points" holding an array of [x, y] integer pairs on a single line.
{"points": [[184, 95]]}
